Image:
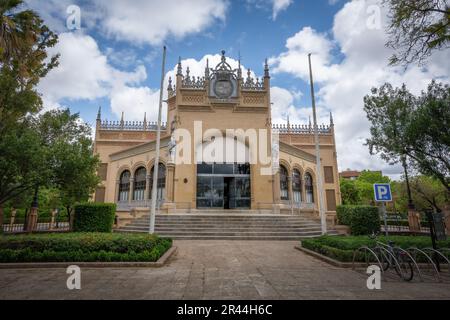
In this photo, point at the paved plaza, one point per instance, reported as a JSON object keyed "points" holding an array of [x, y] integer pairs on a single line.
{"points": [[217, 270]]}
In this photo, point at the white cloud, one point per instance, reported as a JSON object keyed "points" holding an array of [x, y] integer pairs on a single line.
{"points": [[152, 21], [344, 84], [84, 72], [284, 106], [295, 59], [278, 6], [139, 22]]}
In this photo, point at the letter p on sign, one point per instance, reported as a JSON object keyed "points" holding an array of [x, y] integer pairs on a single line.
{"points": [[382, 192]]}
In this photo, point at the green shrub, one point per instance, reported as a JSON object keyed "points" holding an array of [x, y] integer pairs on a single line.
{"points": [[343, 248], [94, 217], [362, 220], [82, 247]]}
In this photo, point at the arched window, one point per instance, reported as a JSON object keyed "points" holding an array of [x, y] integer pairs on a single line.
{"points": [[161, 183], [139, 184], [124, 185], [297, 186], [309, 188], [284, 184]]}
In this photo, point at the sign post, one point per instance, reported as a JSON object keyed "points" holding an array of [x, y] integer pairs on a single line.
{"points": [[383, 194]]}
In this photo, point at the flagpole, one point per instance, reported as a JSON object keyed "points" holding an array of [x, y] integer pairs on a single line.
{"points": [[158, 145], [322, 213]]}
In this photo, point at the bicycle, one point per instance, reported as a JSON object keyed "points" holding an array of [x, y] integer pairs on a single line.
{"points": [[394, 257]]}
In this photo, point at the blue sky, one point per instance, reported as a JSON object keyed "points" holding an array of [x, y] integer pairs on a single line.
{"points": [[114, 60]]}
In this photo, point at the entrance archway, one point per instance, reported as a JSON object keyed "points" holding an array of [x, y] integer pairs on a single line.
{"points": [[223, 186]]}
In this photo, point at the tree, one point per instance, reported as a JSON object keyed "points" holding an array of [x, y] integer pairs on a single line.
{"points": [[411, 130], [389, 110], [22, 162], [24, 40], [427, 193], [428, 134], [70, 157], [417, 28], [360, 191], [365, 183], [349, 192]]}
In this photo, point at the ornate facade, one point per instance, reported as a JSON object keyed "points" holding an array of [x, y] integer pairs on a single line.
{"points": [[223, 99]]}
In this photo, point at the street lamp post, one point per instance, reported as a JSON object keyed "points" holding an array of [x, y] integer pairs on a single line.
{"points": [[158, 145], [323, 218]]}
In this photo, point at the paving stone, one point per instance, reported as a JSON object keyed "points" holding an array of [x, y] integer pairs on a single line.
{"points": [[219, 270]]}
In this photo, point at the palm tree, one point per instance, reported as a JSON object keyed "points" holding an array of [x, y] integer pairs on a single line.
{"points": [[10, 29]]}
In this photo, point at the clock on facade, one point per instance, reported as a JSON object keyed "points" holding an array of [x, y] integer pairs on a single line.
{"points": [[223, 89]]}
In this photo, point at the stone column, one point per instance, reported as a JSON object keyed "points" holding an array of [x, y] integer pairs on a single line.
{"points": [[170, 182], [147, 187], [290, 192], [116, 192], [131, 189], [276, 188]]}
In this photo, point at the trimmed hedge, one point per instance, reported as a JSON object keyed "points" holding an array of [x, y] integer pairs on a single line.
{"points": [[342, 248], [83, 247], [362, 220], [94, 217]]}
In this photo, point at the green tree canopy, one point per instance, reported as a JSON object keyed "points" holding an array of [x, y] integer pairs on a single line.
{"points": [[428, 135], [70, 157], [360, 190], [417, 28], [24, 41], [409, 128]]}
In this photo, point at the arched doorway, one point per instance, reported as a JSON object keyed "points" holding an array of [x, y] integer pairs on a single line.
{"points": [[140, 177], [309, 188], [124, 186], [284, 183], [224, 186], [161, 182], [297, 186]]}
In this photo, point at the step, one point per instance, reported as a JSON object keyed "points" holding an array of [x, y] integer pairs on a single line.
{"points": [[254, 238], [228, 226], [219, 226]]}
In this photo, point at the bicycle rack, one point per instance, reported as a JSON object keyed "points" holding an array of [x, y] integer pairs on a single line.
{"points": [[417, 250], [447, 250], [366, 249], [383, 250], [412, 259], [447, 261]]}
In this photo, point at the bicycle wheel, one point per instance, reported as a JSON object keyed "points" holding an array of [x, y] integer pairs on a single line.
{"points": [[405, 268]]}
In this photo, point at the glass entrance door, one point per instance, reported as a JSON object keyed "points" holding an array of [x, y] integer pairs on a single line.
{"points": [[223, 186]]}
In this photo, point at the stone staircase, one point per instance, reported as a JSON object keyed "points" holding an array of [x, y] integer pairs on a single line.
{"points": [[229, 226]]}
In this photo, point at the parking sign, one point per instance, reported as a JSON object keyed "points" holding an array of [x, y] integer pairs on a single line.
{"points": [[382, 192]]}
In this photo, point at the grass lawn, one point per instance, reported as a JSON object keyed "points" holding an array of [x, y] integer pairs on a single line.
{"points": [[342, 248], [82, 247]]}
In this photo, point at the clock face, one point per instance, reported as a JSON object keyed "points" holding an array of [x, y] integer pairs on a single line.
{"points": [[223, 89]]}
